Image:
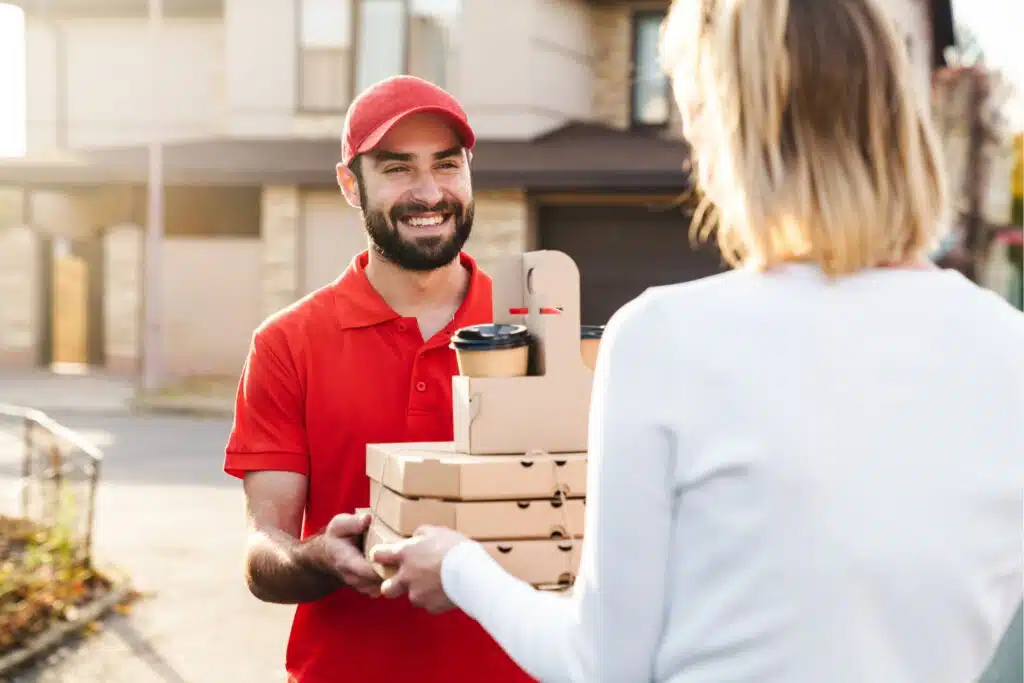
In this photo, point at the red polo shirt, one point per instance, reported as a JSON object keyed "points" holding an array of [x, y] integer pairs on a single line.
{"points": [[335, 371]]}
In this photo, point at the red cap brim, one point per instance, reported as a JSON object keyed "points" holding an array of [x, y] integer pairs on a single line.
{"points": [[462, 129]]}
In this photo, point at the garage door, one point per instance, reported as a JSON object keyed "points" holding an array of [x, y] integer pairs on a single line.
{"points": [[623, 250]]}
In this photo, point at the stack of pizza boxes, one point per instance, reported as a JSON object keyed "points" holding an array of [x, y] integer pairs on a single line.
{"points": [[514, 478]]}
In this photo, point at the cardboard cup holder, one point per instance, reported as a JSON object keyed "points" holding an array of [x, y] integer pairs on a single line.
{"points": [[547, 408]]}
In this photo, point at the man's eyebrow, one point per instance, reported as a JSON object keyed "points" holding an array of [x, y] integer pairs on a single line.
{"points": [[451, 152], [380, 156], [384, 155]]}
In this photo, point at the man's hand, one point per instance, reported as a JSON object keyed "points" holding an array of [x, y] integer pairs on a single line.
{"points": [[344, 557], [418, 560]]}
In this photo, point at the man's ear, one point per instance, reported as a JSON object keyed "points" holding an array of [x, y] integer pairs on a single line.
{"points": [[349, 185]]}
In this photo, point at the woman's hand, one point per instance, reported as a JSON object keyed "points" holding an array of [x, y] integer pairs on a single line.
{"points": [[418, 561]]}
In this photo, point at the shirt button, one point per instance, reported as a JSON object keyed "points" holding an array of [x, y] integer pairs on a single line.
{"points": [[421, 386], [401, 327]]}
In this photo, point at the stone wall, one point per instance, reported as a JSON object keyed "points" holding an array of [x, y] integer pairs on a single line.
{"points": [[280, 230], [20, 305], [123, 258], [612, 29], [612, 49], [973, 169], [501, 226]]}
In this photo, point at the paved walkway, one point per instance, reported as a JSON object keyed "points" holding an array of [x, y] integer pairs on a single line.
{"points": [[93, 393], [168, 517]]}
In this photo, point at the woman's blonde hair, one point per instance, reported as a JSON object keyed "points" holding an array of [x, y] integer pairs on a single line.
{"points": [[805, 113]]}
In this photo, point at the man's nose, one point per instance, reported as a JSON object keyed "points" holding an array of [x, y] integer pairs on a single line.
{"points": [[427, 190]]}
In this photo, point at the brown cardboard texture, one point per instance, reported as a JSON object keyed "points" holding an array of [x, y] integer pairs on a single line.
{"points": [[376, 535], [436, 470], [548, 410], [370, 539], [545, 563], [480, 520]]}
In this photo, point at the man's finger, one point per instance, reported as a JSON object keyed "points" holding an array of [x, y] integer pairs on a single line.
{"points": [[346, 525], [393, 587], [359, 580], [361, 569], [373, 590], [387, 553]]}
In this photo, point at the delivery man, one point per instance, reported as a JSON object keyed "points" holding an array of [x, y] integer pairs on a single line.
{"points": [[365, 360]]}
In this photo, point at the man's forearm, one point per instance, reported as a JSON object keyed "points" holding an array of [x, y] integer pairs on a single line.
{"points": [[281, 569]]}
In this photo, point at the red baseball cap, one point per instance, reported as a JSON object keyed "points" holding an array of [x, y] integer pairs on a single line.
{"points": [[378, 108]]}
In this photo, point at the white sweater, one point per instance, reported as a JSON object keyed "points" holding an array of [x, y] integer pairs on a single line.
{"points": [[791, 481]]}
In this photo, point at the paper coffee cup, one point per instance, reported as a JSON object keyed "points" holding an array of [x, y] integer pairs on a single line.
{"points": [[494, 350], [590, 342]]}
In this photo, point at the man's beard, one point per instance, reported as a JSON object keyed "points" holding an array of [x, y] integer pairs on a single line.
{"points": [[419, 254]]}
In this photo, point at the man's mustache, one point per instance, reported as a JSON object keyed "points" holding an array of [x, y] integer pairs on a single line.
{"points": [[413, 208]]}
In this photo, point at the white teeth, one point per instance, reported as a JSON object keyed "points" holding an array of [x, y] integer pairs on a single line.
{"points": [[419, 222]]}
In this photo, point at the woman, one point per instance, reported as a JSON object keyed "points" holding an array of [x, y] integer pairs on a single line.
{"points": [[786, 484]]}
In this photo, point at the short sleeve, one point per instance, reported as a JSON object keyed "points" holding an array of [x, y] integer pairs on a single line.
{"points": [[269, 431]]}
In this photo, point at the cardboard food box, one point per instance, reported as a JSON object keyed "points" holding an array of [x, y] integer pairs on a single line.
{"points": [[437, 470], [480, 520], [543, 563], [547, 410]]}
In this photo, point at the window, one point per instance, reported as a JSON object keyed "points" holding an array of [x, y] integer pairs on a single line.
{"points": [[348, 45], [432, 51], [652, 98], [382, 31], [325, 55]]}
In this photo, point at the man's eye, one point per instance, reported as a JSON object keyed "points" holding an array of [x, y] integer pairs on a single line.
{"points": [[448, 164], [394, 169]]}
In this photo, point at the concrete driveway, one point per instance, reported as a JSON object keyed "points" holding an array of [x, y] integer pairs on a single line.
{"points": [[169, 517]]}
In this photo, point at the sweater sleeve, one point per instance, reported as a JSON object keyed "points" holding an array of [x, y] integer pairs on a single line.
{"points": [[610, 628]]}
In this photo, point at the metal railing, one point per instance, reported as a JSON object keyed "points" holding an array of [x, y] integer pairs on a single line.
{"points": [[57, 477]]}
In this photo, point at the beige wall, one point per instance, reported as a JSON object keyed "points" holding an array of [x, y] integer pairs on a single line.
{"points": [[19, 295], [260, 74], [544, 64], [280, 235], [528, 73], [332, 234], [502, 226], [103, 80], [211, 303], [540, 78], [122, 297], [217, 290], [76, 213], [612, 48]]}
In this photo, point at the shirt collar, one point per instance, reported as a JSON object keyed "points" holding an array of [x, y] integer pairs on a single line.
{"points": [[360, 305]]}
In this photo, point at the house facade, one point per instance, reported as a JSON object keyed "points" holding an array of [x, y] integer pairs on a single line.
{"points": [[579, 150]]}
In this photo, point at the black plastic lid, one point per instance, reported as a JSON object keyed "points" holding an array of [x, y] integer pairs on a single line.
{"points": [[489, 337], [591, 331]]}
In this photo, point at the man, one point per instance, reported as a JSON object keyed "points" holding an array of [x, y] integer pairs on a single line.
{"points": [[365, 360]]}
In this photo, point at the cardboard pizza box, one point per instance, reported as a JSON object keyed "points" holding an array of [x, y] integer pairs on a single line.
{"points": [[437, 470], [547, 410], [480, 520], [547, 563]]}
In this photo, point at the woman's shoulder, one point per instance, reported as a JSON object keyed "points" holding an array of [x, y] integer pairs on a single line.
{"points": [[658, 311], [704, 294]]}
